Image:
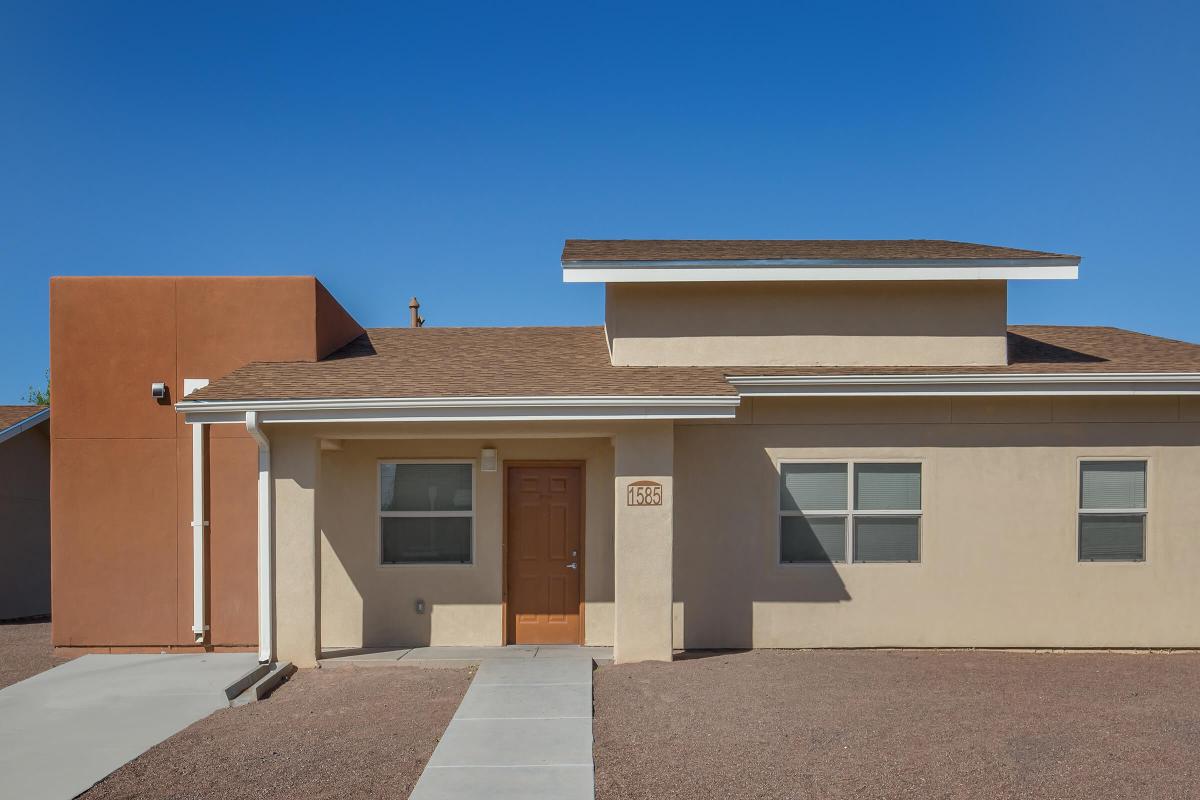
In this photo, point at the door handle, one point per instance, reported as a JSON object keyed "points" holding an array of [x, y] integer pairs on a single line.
{"points": [[572, 565]]}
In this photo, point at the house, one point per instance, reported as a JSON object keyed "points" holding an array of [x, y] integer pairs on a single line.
{"points": [[24, 512], [767, 444]]}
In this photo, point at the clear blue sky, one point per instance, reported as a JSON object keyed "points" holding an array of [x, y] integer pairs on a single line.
{"points": [[446, 150]]}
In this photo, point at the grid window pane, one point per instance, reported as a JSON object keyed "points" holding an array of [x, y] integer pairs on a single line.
{"points": [[820, 487], [425, 487], [887, 539], [1112, 484], [806, 539], [1112, 537], [887, 487], [425, 540]]}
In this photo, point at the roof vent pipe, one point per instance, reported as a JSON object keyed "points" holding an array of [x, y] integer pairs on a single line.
{"points": [[415, 320]]}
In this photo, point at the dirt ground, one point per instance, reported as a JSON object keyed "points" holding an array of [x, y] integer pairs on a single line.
{"points": [[344, 733], [829, 724], [25, 650]]}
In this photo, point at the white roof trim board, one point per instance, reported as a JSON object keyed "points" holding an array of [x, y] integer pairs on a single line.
{"points": [[18, 428], [821, 269], [463, 409], [967, 385]]}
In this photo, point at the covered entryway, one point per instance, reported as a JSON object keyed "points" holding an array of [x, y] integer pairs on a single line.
{"points": [[544, 553]]}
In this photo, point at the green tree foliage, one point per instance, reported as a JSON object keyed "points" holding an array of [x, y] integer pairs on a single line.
{"points": [[39, 397]]}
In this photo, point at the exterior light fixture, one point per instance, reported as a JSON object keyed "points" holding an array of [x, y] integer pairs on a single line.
{"points": [[158, 391], [487, 460]]}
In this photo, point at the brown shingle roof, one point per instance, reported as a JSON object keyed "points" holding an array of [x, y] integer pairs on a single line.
{"points": [[1045, 349], [465, 362], [11, 415], [767, 249], [535, 362]]}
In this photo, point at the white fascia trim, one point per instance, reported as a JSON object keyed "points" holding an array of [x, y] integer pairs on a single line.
{"points": [[464, 409], [809, 269], [981, 385], [20, 427]]}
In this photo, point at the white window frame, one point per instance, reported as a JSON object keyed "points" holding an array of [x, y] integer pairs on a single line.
{"points": [[1080, 511], [380, 514], [849, 512]]}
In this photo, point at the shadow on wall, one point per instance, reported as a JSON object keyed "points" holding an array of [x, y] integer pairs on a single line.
{"points": [[721, 579]]}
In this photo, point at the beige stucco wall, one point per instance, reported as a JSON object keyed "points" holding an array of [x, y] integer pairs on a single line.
{"points": [[25, 524], [296, 473], [643, 536], [364, 604], [804, 324], [998, 540]]}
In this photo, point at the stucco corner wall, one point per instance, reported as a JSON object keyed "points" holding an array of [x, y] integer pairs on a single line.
{"points": [[644, 536]]}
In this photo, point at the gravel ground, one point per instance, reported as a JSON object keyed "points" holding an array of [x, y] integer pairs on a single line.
{"points": [[25, 650], [344, 733], [830, 724]]}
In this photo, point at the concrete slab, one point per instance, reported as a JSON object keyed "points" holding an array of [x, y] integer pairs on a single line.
{"points": [[506, 672], [469, 653], [65, 729], [515, 743], [573, 651], [545, 701], [506, 783]]}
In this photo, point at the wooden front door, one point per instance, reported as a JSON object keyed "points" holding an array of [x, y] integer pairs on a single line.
{"points": [[545, 554]]}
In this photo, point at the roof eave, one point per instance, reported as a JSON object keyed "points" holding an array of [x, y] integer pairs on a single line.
{"points": [[463, 409], [809, 269], [970, 385]]}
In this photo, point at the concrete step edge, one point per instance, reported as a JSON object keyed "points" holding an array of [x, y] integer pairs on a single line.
{"points": [[272, 680], [246, 681]]}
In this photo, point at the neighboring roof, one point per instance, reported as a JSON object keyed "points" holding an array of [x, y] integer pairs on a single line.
{"points": [[574, 362], [18, 419], [651, 250], [1045, 349], [465, 362], [11, 415]]}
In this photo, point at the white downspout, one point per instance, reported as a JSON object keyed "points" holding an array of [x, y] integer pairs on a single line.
{"points": [[266, 570], [198, 526]]}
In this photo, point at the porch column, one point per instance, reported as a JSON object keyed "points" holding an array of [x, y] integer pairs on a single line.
{"points": [[296, 462], [642, 561]]}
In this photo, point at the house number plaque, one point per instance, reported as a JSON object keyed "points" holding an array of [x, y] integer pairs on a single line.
{"points": [[644, 493]]}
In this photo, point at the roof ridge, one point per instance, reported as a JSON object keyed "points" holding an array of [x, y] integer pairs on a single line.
{"points": [[486, 328]]}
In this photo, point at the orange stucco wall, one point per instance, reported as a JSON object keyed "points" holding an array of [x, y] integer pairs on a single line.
{"points": [[121, 461]]}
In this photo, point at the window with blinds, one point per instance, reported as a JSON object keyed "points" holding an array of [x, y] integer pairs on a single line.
{"points": [[1112, 511], [426, 513], [843, 512]]}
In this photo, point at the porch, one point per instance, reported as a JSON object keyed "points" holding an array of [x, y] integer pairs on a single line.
{"points": [[421, 538]]}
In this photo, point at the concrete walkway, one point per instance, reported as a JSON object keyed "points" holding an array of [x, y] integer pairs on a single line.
{"points": [[454, 656], [65, 729], [523, 730]]}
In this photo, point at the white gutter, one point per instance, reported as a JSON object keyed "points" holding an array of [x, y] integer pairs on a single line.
{"points": [[266, 562], [820, 269], [968, 385], [198, 526], [16, 429], [465, 409]]}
